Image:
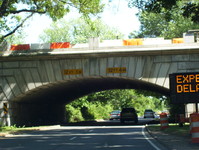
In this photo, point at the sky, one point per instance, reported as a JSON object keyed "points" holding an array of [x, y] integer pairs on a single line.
{"points": [[116, 14]]}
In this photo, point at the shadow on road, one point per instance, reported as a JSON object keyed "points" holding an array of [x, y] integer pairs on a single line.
{"points": [[111, 123]]}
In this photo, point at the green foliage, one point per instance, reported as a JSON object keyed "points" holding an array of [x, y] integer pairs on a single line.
{"points": [[78, 111], [17, 38], [163, 24], [73, 114], [99, 105], [87, 114], [10, 128], [189, 9], [7, 128], [13, 14], [99, 110], [78, 31]]}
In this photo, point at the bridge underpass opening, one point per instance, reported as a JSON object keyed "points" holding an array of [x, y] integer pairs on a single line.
{"points": [[45, 105]]}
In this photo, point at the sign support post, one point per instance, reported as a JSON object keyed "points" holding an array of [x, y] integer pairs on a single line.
{"points": [[196, 107]]}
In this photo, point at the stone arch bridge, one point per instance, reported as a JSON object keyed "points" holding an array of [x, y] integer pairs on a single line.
{"points": [[35, 85]]}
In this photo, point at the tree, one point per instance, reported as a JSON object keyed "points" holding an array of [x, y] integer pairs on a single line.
{"points": [[100, 104], [189, 8], [18, 37], [160, 25], [78, 31], [13, 14]]}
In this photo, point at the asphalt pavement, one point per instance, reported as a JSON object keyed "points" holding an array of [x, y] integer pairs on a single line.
{"points": [[98, 135], [169, 141], [126, 137]]}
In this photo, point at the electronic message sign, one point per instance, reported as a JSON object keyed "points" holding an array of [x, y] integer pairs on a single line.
{"points": [[184, 87]]}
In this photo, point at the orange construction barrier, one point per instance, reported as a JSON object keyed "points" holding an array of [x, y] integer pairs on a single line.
{"points": [[190, 121], [177, 40], [194, 118], [164, 121], [58, 45], [132, 42], [16, 47]]}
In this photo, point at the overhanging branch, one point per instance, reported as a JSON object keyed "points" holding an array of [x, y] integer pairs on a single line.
{"points": [[17, 27], [27, 10]]}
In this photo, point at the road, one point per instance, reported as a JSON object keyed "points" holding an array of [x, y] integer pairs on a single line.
{"points": [[126, 137], [115, 122]]}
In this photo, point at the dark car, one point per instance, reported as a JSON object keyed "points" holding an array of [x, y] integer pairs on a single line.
{"points": [[115, 114], [128, 114]]}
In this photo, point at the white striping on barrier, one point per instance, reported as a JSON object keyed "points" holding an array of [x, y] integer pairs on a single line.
{"points": [[195, 135], [195, 124], [164, 118]]}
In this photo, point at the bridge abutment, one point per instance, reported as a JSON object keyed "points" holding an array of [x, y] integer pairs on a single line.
{"points": [[37, 114]]}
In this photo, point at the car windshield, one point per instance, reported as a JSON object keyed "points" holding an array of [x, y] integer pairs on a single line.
{"points": [[115, 112], [149, 111], [128, 110]]}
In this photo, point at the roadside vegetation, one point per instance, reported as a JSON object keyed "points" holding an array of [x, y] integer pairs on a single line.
{"points": [[172, 129], [14, 14], [4, 130], [163, 18], [99, 105], [79, 30]]}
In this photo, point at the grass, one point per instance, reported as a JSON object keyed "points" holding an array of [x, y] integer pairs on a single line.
{"points": [[14, 130], [172, 129]]}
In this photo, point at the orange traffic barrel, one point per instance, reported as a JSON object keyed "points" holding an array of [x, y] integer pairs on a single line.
{"points": [[129, 42], [190, 121], [177, 40], [194, 118], [164, 121], [133, 42]]}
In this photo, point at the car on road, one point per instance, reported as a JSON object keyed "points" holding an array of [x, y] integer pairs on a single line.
{"points": [[128, 114], [149, 113], [115, 114]]}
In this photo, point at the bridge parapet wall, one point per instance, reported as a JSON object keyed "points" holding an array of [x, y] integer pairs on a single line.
{"points": [[94, 43]]}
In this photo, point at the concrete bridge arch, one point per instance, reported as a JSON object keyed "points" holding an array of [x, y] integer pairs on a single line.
{"points": [[46, 104]]}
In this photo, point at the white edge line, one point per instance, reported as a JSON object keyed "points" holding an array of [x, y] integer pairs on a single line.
{"points": [[152, 144]]}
